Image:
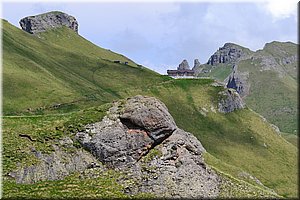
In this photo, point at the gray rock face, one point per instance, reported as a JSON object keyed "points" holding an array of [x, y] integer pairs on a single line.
{"points": [[55, 166], [196, 63], [141, 138], [115, 145], [229, 53], [184, 65], [230, 101], [178, 171], [47, 21], [150, 114], [239, 82], [129, 131]]}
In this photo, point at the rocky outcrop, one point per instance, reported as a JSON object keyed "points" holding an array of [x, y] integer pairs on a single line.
{"points": [[229, 53], [177, 170], [230, 101], [184, 65], [196, 63], [57, 165], [238, 81], [47, 21], [128, 132], [139, 137]]}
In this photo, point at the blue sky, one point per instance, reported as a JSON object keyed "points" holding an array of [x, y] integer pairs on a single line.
{"points": [[160, 35]]}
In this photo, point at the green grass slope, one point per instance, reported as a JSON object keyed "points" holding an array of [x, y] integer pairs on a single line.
{"points": [[273, 92], [39, 72], [61, 67], [219, 73]]}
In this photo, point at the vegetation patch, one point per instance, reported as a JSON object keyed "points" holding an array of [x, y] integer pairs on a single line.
{"points": [[104, 185], [23, 134]]}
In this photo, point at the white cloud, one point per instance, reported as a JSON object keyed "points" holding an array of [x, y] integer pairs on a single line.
{"points": [[281, 9]]}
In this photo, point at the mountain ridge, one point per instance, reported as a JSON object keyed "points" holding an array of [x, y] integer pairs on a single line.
{"points": [[276, 62]]}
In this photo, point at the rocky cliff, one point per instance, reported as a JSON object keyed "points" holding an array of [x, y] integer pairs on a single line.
{"points": [[230, 101], [239, 81], [44, 22], [139, 137], [229, 53], [196, 63], [184, 65]]}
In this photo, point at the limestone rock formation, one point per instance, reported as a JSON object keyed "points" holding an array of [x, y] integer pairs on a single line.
{"points": [[230, 101], [196, 63], [47, 21], [184, 65], [229, 53], [239, 81], [139, 137], [177, 170], [150, 114], [129, 131], [56, 165]]}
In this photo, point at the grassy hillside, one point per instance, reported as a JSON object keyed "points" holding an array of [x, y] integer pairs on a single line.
{"points": [[219, 73], [273, 92], [52, 77], [61, 67], [273, 82]]}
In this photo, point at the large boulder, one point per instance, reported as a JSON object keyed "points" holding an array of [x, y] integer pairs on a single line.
{"points": [[47, 21], [150, 114], [238, 81], [129, 131]]}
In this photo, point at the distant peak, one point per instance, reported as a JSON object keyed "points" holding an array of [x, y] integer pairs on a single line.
{"points": [[46, 21], [277, 43], [229, 53], [232, 45], [184, 65], [229, 44]]}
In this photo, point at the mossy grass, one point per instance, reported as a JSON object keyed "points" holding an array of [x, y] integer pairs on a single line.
{"points": [[105, 185], [41, 133]]}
